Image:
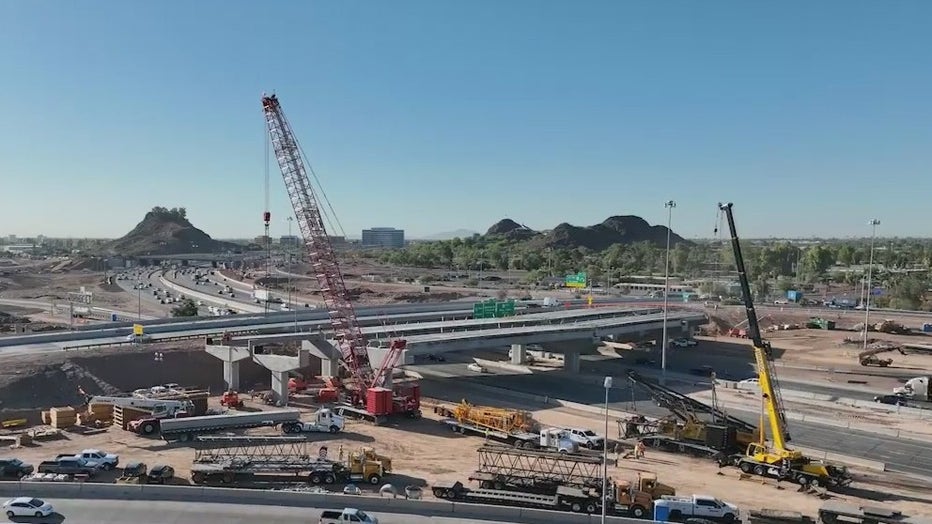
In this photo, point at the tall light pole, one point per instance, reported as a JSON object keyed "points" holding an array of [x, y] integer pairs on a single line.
{"points": [[288, 256], [608, 385], [669, 204], [870, 265]]}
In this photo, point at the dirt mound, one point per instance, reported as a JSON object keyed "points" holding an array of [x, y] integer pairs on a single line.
{"points": [[416, 298], [165, 232]]}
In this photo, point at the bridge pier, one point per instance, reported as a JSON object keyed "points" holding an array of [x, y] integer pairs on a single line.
{"points": [[326, 351], [571, 362], [280, 366], [518, 354], [231, 357]]}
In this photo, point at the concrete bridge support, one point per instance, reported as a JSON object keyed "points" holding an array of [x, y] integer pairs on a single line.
{"points": [[231, 357], [571, 362], [280, 366], [518, 354], [326, 351]]}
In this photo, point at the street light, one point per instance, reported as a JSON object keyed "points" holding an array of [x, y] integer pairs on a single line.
{"points": [[608, 385], [669, 204], [867, 303]]}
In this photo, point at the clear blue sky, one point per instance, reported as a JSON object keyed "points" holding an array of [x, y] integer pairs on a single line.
{"points": [[437, 115]]}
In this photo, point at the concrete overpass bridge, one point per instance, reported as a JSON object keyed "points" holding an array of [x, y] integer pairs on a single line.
{"points": [[590, 325]]}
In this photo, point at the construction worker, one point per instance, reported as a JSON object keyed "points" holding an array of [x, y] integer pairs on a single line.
{"points": [[341, 452], [639, 449]]}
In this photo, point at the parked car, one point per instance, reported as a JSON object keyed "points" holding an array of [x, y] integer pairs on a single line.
{"points": [[683, 343], [15, 468], [476, 368], [27, 507], [160, 474]]}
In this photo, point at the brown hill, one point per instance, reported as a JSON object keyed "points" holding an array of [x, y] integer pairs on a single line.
{"points": [[167, 232], [627, 229], [510, 229]]}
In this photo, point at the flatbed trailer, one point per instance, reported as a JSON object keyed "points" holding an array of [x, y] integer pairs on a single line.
{"points": [[565, 499], [518, 439], [189, 428]]}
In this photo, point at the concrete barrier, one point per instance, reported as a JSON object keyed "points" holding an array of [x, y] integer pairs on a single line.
{"points": [[515, 368], [478, 512], [231, 304]]}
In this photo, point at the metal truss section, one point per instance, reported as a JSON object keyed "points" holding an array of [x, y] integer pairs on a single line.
{"points": [[516, 466]]}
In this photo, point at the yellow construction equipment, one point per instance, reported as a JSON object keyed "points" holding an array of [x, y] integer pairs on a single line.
{"points": [[776, 459], [500, 419]]}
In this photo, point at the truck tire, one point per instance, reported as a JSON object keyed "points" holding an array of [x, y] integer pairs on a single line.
{"points": [[745, 466], [439, 493], [374, 479], [330, 478], [815, 482], [148, 428], [315, 478], [334, 429], [728, 517], [590, 445], [591, 507], [576, 507], [638, 512], [759, 470]]}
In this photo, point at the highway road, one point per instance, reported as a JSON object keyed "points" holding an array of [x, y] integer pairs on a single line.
{"points": [[71, 511], [901, 454]]}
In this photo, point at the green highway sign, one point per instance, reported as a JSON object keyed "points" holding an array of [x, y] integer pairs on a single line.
{"points": [[493, 309], [577, 280]]}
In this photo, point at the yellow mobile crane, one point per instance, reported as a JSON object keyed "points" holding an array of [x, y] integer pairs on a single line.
{"points": [[775, 460]]}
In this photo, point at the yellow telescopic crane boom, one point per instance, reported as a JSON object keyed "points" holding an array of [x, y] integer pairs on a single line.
{"points": [[762, 351]]}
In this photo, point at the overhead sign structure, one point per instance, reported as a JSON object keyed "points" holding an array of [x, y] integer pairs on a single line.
{"points": [[81, 297], [578, 280]]}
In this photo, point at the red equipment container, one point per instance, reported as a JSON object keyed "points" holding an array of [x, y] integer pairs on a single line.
{"points": [[379, 401]]}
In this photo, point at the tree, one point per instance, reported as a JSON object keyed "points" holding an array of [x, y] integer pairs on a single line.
{"points": [[187, 308]]}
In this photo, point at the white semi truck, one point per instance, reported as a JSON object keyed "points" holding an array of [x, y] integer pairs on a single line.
{"points": [[916, 388]]}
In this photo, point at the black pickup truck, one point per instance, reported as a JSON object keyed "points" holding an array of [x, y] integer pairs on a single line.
{"points": [[69, 466], [15, 468]]}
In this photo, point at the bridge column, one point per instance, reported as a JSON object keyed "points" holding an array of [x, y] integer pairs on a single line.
{"points": [[518, 354], [231, 357], [326, 351], [279, 366], [571, 362]]}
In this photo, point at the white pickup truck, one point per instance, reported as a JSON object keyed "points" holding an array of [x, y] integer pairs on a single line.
{"points": [[104, 459], [671, 508], [347, 515]]}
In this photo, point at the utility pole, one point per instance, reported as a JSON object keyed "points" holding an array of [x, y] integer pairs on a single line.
{"points": [[670, 204], [870, 266]]}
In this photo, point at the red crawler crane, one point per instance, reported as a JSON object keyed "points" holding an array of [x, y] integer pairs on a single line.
{"points": [[369, 399]]}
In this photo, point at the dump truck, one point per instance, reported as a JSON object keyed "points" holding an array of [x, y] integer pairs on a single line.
{"points": [[187, 429], [508, 426]]}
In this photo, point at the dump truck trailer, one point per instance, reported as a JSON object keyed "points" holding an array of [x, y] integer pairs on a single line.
{"points": [[187, 429]]}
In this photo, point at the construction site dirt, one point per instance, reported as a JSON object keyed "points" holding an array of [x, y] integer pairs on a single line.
{"points": [[425, 451]]}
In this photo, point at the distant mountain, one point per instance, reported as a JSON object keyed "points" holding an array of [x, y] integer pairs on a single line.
{"points": [[627, 229], [165, 232], [448, 235]]}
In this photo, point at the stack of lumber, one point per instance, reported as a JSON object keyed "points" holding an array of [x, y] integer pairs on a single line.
{"points": [[62, 418]]}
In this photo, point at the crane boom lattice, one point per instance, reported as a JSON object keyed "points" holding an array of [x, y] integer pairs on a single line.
{"points": [[517, 467], [352, 343], [255, 450]]}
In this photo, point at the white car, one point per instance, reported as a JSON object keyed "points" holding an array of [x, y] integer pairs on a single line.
{"points": [[749, 382], [683, 342], [475, 367], [27, 507]]}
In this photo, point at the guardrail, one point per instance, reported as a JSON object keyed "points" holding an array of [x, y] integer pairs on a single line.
{"points": [[155, 493]]}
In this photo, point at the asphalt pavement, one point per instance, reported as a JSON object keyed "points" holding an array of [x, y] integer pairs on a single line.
{"points": [[900, 454], [70, 511]]}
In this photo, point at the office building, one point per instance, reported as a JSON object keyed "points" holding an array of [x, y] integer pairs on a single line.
{"points": [[383, 237]]}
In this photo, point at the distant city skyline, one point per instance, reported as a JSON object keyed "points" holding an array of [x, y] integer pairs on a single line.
{"points": [[436, 116]]}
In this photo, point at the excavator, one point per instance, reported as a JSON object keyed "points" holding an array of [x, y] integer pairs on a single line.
{"points": [[774, 458]]}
